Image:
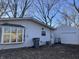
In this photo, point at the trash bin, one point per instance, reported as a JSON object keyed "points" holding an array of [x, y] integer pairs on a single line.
{"points": [[48, 43], [36, 42], [57, 41]]}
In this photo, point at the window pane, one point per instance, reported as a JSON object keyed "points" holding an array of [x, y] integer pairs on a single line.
{"points": [[13, 34], [20, 35], [6, 36]]}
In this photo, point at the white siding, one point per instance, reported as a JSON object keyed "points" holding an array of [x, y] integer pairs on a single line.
{"points": [[68, 35], [32, 30]]}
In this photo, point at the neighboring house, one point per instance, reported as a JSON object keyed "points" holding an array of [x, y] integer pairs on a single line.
{"points": [[67, 34], [19, 32]]}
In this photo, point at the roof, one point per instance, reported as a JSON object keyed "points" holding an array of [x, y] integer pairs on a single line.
{"points": [[14, 25], [27, 19]]}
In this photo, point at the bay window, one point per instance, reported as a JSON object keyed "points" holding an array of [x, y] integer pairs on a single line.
{"points": [[10, 34]]}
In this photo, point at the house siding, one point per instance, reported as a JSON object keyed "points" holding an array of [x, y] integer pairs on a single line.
{"points": [[67, 34], [32, 30]]}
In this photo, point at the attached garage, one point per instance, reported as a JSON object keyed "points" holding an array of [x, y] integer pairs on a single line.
{"points": [[67, 34]]}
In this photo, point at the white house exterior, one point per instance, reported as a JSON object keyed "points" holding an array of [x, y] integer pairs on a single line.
{"points": [[19, 32], [67, 34]]}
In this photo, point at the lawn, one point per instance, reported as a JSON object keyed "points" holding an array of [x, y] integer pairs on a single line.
{"points": [[45, 52]]}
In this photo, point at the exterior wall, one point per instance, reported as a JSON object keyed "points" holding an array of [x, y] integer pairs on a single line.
{"points": [[68, 35], [32, 30]]}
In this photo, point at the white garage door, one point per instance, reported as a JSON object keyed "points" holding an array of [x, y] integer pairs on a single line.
{"points": [[69, 38]]}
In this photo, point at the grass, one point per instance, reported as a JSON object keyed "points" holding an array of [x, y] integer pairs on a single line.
{"points": [[45, 52]]}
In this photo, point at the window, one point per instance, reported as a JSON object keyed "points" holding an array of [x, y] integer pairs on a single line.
{"points": [[43, 33], [12, 35], [20, 35], [6, 36]]}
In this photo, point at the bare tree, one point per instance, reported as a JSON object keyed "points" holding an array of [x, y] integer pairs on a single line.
{"points": [[3, 7], [18, 8], [47, 10], [71, 18], [75, 6]]}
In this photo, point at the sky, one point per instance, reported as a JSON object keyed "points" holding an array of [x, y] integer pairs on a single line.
{"points": [[62, 7]]}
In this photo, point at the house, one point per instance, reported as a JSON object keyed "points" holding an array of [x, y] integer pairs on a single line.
{"points": [[19, 32], [67, 34]]}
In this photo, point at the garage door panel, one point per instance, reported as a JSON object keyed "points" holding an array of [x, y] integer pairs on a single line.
{"points": [[68, 38]]}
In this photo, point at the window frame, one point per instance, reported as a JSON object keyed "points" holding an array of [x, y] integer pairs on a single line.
{"points": [[11, 34], [2, 36], [2, 40], [22, 35]]}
